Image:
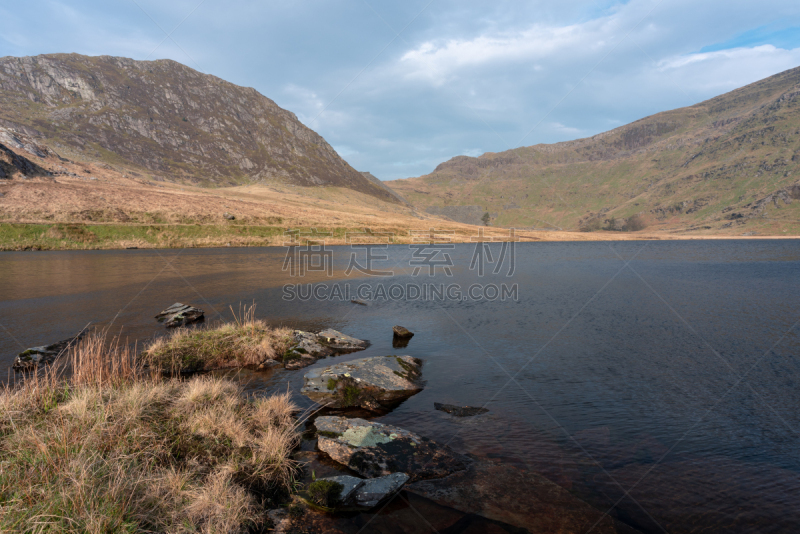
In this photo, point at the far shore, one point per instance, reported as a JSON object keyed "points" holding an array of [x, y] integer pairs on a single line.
{"points": [[39, 235]]}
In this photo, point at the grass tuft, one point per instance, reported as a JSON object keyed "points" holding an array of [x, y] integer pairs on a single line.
{"points": [[246, 342]]}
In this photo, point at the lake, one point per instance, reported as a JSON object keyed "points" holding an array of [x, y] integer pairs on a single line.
{"points": [[657, 380]]}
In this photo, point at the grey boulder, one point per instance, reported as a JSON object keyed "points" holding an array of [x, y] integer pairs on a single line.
{"points": [[310, 347], [340, 342], [371, 383], [180, 315], [305, 351], [375, 450]]}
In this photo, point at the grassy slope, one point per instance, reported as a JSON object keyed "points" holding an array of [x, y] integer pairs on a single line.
{"points": [[112, 449], [107, 208], [679, 169]]}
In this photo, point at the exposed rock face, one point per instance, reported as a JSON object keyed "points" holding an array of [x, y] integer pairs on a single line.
{"points": [[311, 347], [35, 356], [169, 119], [371, 383], [459, 411], [12, 163], [373, 449], [180, 315]]}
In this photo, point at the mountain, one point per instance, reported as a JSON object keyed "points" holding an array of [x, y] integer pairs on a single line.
{"points": [[721, 166], [167, 120]]}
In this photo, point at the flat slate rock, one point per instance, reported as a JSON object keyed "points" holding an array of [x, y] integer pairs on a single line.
{"points": [[402, 332], [371, 383], [47, 354], [339, 342], [375, 450], [459, 411], [310, 347], [376, 490], [349, 487], [180, 315]]}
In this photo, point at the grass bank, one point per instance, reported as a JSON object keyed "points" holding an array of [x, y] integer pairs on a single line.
{"points": [[115, 449], [78, 236]]}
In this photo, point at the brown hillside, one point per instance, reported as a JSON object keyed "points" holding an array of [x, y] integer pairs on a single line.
{"points": [[728, 165]]}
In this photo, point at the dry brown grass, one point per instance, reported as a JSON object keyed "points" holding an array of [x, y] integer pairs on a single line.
{"points": [[246, 342], [115, 449]]}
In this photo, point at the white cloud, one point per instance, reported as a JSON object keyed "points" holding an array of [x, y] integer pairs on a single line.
{"points": [[438, 62], [566, 129], [724, 70]]}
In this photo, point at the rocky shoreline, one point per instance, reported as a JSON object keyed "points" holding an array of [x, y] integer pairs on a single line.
{"points": [[365, 465]]}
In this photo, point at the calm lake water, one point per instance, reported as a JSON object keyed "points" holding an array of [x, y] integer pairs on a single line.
{"points": [[668, 386]]}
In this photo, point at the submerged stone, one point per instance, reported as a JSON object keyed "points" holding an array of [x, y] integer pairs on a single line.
{"points": [[459, 411], [517, 497], [370, 383], [180, 315], [375, 450]]}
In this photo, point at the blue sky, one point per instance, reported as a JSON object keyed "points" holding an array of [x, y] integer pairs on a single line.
{"points": [[399, 87]]}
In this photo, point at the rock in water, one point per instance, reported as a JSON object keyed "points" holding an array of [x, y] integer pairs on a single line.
{"points": [[374, 450], [180, 315], [306, 351], [349, 487], [311, 347], [370, 383], [339, 342], [459, 411], [375, 490], [34, 356], [402, 332]]}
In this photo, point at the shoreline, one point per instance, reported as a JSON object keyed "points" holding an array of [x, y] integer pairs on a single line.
{"points": [[60, 236]]}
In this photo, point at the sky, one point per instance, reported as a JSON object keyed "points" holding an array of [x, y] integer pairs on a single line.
{"points": [[399, 87]]}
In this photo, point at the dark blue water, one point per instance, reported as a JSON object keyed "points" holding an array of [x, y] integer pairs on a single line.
{"points": [[659, 381]]}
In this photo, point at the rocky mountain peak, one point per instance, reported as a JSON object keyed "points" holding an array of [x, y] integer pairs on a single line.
{"points": [[162, 116]]}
